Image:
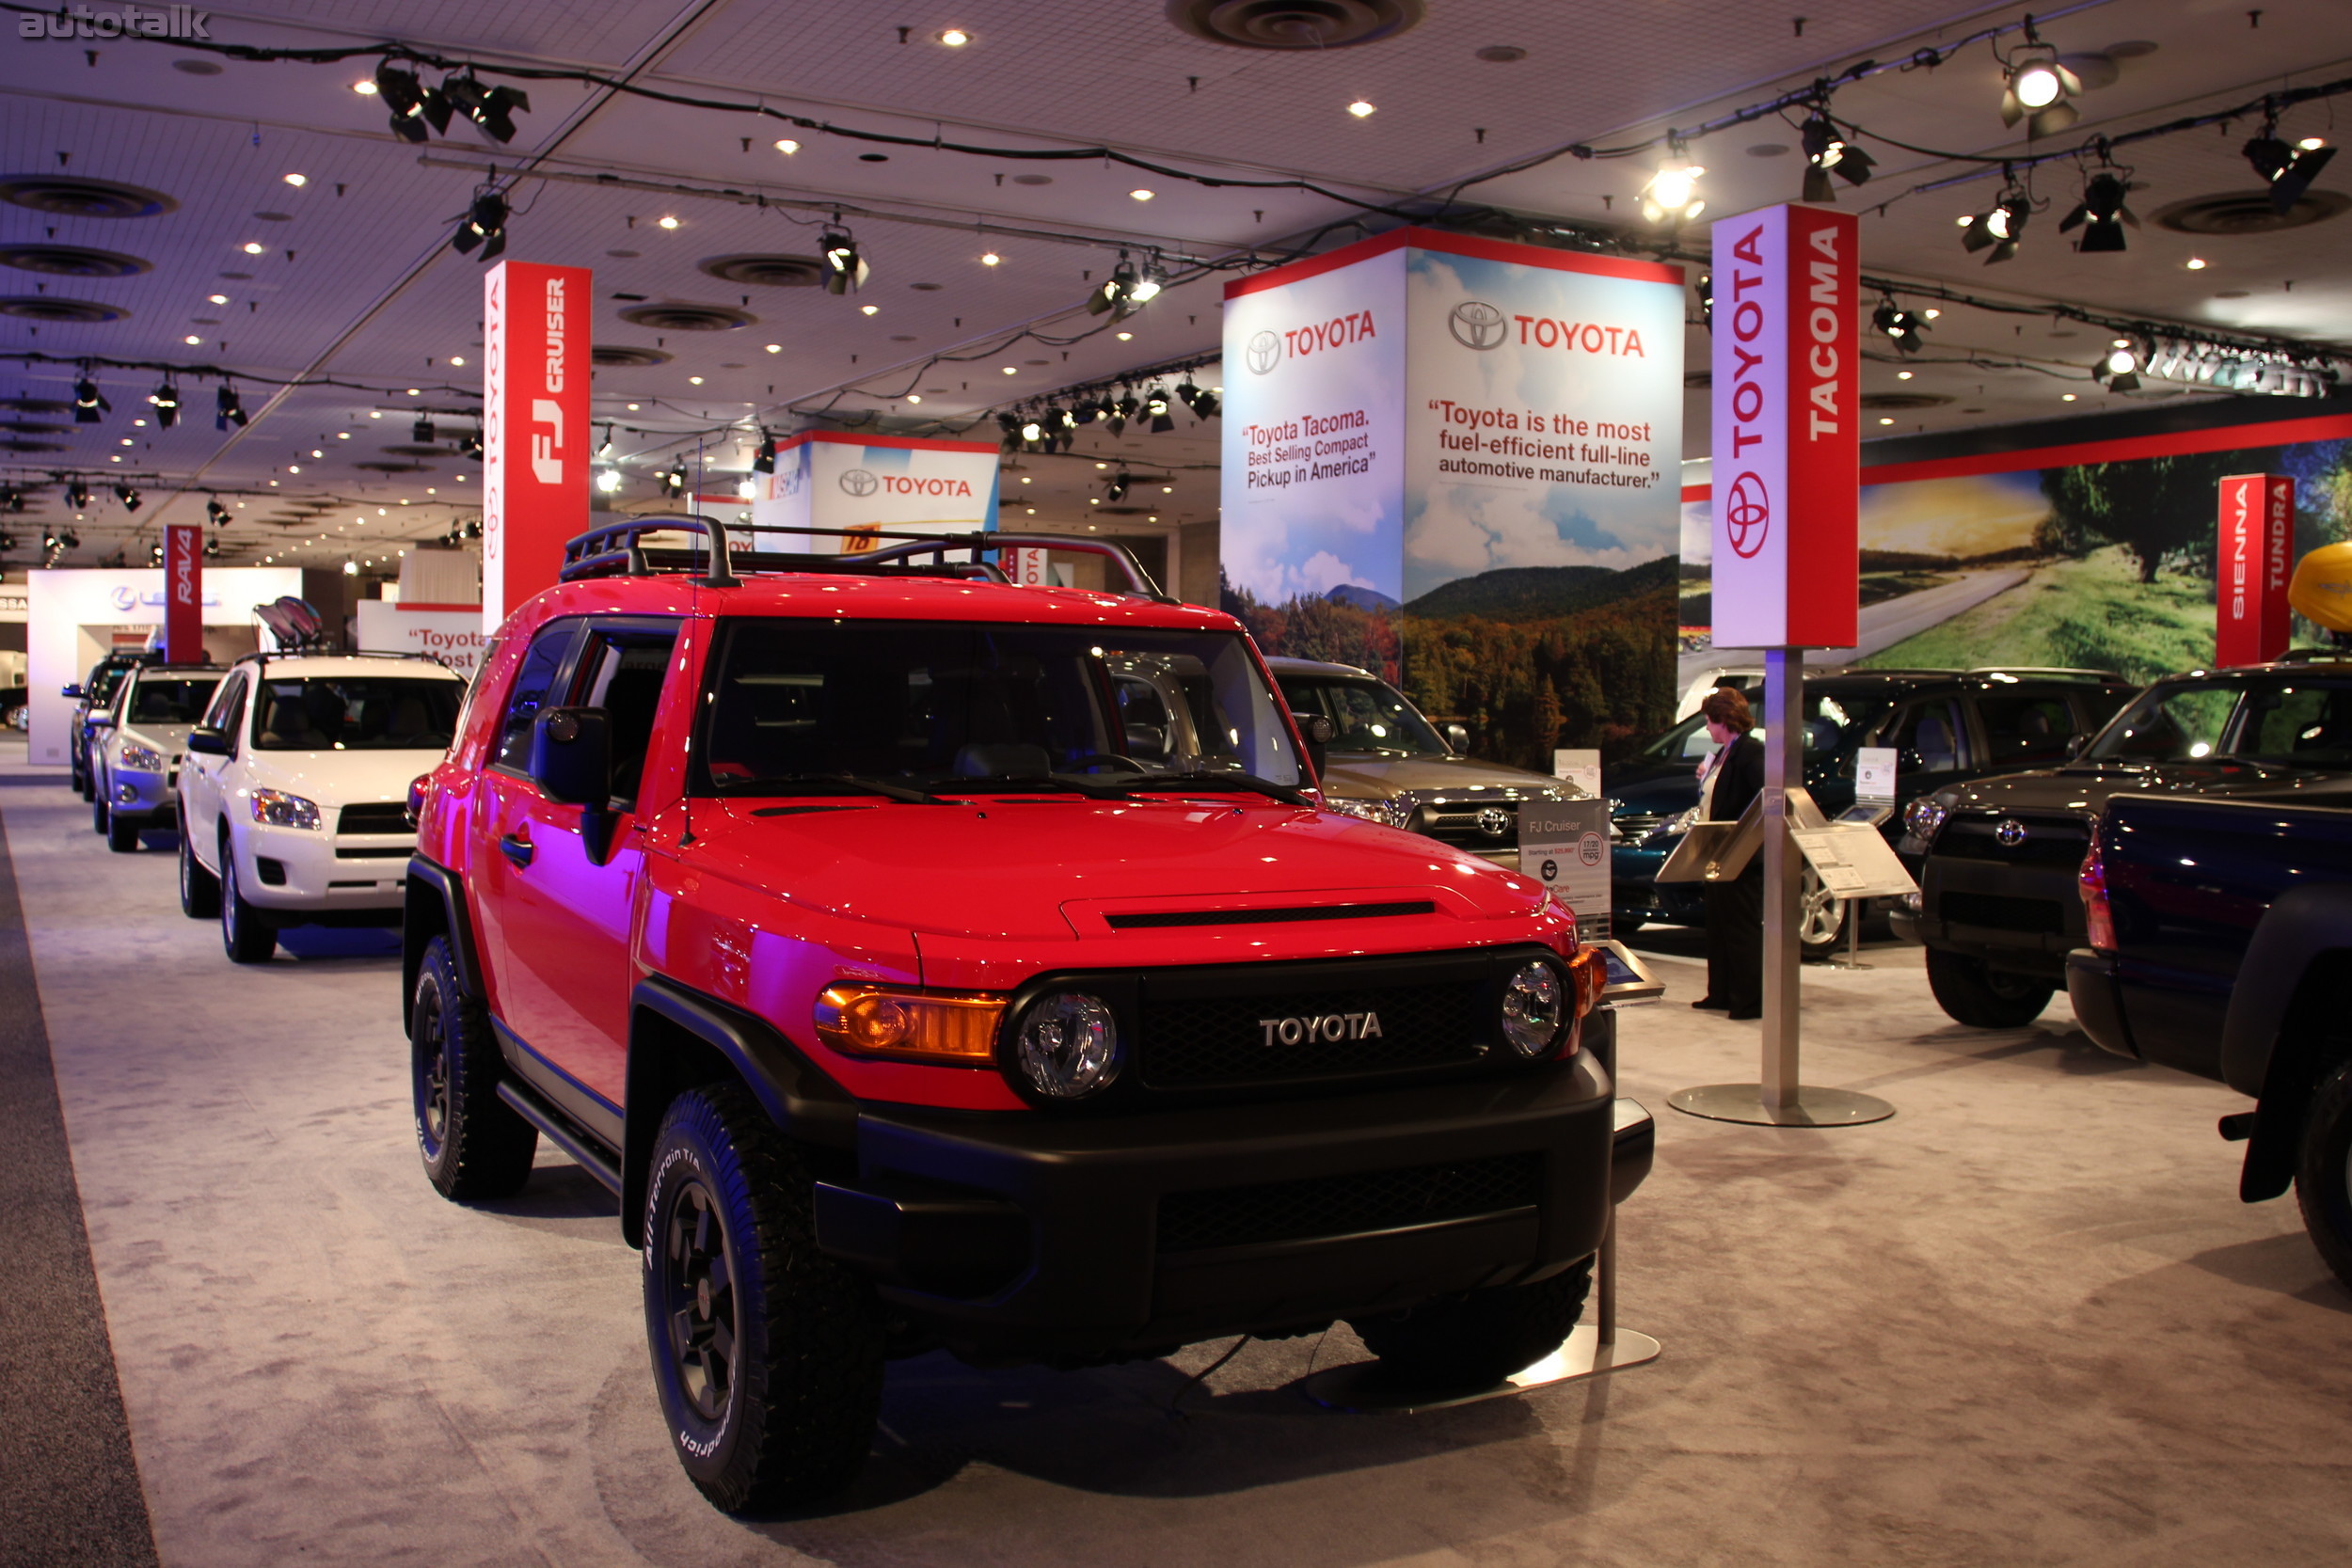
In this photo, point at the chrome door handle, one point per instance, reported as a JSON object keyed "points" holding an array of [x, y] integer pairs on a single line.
{"points": [[515, 848]]}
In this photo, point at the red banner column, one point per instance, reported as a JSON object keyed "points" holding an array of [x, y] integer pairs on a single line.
{"points": [[183, 593], [535, 428], [2251, 569]]}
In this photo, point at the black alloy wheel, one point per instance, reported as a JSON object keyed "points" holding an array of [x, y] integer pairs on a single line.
{"points": [[1973, 992], [246, 934], [767, 1354], [200, 890], [2323, 1174], [474, 1145]]}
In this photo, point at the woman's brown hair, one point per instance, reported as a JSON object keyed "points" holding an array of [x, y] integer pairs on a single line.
{"points": [[1724, 705]]}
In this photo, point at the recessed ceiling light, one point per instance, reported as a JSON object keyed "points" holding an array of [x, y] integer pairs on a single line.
{"points": [[2195, 263], [914, 397], [787, 145], [297, 179], [191, 339], [342, 436], [1359, 108], [1125, 337], [955, 38], [1902, 375], [2066, 397], [989, 259], [252, 247], [632, 407], [365, 86], [218, 299], [693, 380], [414, 393], [1884, 420], [868, 310], [1012, 370], [772, 348], [666, 221], [458, 360], [375, 413], [1931, 314], [1140, 193]]}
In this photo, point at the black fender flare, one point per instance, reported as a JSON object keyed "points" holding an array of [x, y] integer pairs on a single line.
{"points": [[806, 1104], [2269, 1047], [435, 902]]}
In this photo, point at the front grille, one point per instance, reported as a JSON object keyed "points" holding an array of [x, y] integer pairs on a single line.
{"points": [[386, 818], [1349, 1205], [2049, 840], [1458, 824], [1214, 1043], [2025, 917], [373, 853], [1637, 825]]}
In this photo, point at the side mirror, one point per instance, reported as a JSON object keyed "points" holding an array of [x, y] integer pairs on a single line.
{"points": [[1318, 732], [1146, 740], [75, 691], [101, 721], [1457, 738], [571, 755], [208, 740], [2076, 744]]}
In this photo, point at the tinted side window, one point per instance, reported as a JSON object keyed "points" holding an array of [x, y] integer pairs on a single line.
{"points": [[623, 672], [227, 714], [1928, 735], [533, 684], [2021, 730]]}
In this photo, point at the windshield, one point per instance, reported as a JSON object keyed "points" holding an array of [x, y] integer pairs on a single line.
{"points": [[1366, 715], [1836, 722], [2303, 723], [917, 705], [104, 680], [170, 698], [356, 713]]}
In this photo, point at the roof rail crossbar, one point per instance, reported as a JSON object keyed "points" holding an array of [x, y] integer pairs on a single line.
{"points": [[935, 544], [616, 549], [2045, 669]]}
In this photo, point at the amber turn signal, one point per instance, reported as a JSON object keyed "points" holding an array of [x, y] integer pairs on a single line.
{"points": [[910, 1025], [1589, 968]]}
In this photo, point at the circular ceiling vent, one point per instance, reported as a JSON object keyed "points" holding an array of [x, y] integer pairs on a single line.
{"points": [[72, 260], [394, 468], [69, 197], [38, 405], [622, 354], [679, 316], [418, 451], [1120, 511], [46, 307], [1295, 23], [773, 272], [1890, 401], [2249, 212], [28, 427], [18, 444]]}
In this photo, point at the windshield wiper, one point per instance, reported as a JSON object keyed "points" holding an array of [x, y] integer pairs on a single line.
{"points": [[1246, 783], [1029, 784], [826, 783]]}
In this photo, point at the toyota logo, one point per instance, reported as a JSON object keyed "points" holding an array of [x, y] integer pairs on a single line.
{"points": [[1263, 352], [1748, 515], [859, 481], [2010, 833], [1475, 323], [1494, 821]]}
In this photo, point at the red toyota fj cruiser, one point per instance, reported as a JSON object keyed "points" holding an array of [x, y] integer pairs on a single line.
{"points": [[825, 909]]}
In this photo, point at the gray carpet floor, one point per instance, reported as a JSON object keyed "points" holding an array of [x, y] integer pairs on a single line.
{"points": [[2024, 1322]]}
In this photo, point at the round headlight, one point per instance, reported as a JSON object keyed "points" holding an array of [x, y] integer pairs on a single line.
{"points": [[1924, 816], [1533, 1007], [1068, 1046]]}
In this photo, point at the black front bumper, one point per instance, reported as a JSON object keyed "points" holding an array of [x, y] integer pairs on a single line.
{"points": [[2020, 918], [1084, 1237]]}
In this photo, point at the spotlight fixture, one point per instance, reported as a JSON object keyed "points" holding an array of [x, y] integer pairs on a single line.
{"points": [[2100, 215], [1115, 294], [747, 488], [2120, 370], [484, 224], [228, 409], [2038, 88], [215, 513], [1156, 405], [1031, 431], [1148, 284], [89, 404], [167, 401], [764, 460], [350, 567], [1116, 489], [1008, 431], [128, 497], [1999, 226], [471, 446], [411, 105], [1899, 324], [608, 480], [673, 481], [845, 269], [77, 494], [491, 108], [1671, 195], [212, 547], [1826, 153], [11, 499], [2288, 170], [422, 433], [605, 449]]}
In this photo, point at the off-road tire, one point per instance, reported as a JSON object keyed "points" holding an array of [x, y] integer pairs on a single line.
{"points": [[1475, 1340], [787, 1418], [245, 933], [1974, 993], [474, 1145], [2323, 1170], [121, 837], [200, 890]]}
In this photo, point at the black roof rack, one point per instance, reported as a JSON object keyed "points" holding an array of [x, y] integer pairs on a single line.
{"points": [[617, 549]]}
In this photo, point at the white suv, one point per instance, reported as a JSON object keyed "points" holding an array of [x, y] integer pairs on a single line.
{"points": [[135, 749], [292, 801]]}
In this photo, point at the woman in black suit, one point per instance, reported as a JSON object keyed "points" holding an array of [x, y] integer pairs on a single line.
{"points": [[1734, 910]]}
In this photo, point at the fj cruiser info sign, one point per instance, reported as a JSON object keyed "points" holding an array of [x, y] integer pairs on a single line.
{"points": [[1787, 463], [869, 483], [535, 428], [2251, 568], [1422, 407], [1564, 845]]}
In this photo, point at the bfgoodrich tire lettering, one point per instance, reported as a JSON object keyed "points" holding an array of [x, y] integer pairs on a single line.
{"points": [[473, 1144], [2323, 1172], [1974, 993], [1476, 1340], [767, 1354]]}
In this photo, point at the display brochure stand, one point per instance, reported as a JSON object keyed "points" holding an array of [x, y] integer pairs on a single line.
{"points": [[1868, 813], [1793, 832], [1874, 803], [1597, 1345]]}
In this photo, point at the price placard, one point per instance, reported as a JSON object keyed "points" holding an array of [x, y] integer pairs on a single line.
{"points": [[1564, 845], [1874, 773], [1853, 860]]}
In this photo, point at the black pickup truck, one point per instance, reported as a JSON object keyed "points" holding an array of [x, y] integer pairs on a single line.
{"points": [[2220, 938]]}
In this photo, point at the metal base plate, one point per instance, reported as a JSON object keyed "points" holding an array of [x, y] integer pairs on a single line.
{"points": [[1815, 1107], [1368, 1388]]}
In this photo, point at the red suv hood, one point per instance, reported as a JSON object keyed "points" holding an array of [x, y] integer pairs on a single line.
{"points": [[1031, 870]]}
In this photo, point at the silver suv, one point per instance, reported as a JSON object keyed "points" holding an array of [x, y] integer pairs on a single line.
{"points": [[136, 744]]}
